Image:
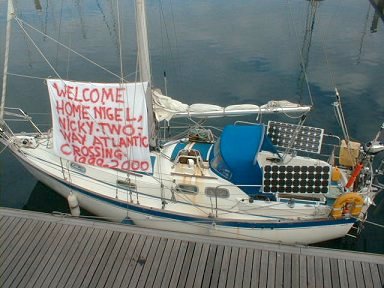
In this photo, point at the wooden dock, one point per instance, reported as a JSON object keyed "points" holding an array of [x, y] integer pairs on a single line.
{"points": [[41, 250]]}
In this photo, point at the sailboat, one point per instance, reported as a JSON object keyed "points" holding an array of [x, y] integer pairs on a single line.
{"points": [[260, 182]]}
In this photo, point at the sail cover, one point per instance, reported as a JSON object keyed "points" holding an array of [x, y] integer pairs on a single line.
{"points": [[166, 108], [101, 124]]}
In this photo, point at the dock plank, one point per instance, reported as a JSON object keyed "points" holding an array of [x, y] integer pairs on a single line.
{"points": [[271, 269], [163, 263], [113, 254], [134, 259], [34, 262], [367, 275], [209, 266], [117, 263], [311, 275], [295, 270], [171, 264], [18, 272], [101, 260], [125, 261], [201, 266], [342, 273], [84, 253], [375, 275], [287, 277], [143, 258], [193, 266], [186, 264], [108, 240], [327, 272], [66, 275], [37, 268], [232, 267], [359, 274], [73, 245], [52, 258], [3, 219], [7, 223], [319, 283], [156, 262], [335, 273], [20, 232], [55, 251], [179, 263], [58, 260], [248, 268], [264, 269], [351, 276], [89, 258], [148, 263], [217, 266], [303, 271], [239, 277], [256, 268], [17, 247], [381, 273], [224, 266], [279, 271]]}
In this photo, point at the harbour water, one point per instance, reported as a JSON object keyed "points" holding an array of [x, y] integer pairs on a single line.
{"points": [[218, 52]]}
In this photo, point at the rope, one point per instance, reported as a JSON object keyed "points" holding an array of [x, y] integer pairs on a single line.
{"points": [[375, 224]]}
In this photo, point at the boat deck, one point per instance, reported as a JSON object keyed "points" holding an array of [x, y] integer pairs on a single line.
{"points": [[41, 250]]}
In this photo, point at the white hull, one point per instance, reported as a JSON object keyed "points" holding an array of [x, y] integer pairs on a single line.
{"points": [[109, 210]]}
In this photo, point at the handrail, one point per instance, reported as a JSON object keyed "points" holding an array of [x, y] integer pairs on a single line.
{"points": [[20, 115]]}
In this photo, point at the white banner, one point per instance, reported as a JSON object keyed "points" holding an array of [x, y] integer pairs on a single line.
{"points": [[101, 124]]}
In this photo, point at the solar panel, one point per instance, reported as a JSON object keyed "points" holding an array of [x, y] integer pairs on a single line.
{"points": [[308, 139], [296, 179]]}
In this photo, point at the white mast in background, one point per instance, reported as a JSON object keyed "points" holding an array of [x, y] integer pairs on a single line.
{"points": [[10, 15]]}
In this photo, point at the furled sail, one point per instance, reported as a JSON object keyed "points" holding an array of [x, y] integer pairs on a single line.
{"points": [[166, 108], [101, 124]]}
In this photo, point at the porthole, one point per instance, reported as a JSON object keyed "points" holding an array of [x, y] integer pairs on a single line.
{"points": [[186, 188], [217, 192]]}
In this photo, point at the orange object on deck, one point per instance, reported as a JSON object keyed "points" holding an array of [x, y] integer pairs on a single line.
{"points": [[355, 173]]}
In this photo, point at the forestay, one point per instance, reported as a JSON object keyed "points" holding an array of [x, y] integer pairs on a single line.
{"points": [[101, 124]]}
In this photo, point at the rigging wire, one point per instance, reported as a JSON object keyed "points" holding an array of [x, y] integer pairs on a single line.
{"points": [[66, 47], [119, 42], [19, 21], [302, 62]]}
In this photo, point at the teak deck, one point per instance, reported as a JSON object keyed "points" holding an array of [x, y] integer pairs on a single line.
{"points": [[40, 250]]}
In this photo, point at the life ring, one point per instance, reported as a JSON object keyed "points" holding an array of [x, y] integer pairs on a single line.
{"points": [[348, 203]]}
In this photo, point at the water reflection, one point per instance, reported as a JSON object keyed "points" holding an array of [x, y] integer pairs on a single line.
{"points": [[379, 13], [38, 6]]}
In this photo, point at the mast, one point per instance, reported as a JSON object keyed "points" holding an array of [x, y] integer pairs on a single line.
{"points": [[142, 42], [144, 65], [10, 15]]}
